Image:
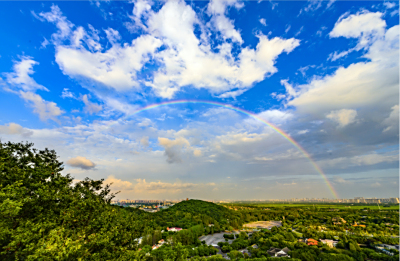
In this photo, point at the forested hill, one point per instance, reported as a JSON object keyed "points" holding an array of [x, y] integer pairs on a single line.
{"points": [[194, 212]]}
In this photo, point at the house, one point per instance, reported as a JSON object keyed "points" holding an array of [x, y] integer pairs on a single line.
{"points": [[329, 242], [161, 242], [174, 229], [273, 251], [139, 240], [382, 248], [245, 252], [312, 242], [155, 247], [276, 252], [357, 225], [254, 246]]}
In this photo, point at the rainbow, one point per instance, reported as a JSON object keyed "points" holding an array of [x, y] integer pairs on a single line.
{"points": [[250, 114]]}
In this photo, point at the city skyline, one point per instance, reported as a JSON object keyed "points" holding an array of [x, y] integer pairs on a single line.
{"points": [[209, 100]]}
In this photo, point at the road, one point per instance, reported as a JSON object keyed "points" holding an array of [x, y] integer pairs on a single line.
{"points": [[214, 239]]}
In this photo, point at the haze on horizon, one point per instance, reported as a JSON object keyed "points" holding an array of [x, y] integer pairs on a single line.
{"points": [[324, 72]]}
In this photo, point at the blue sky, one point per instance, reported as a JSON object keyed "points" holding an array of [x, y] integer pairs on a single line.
{"points": [[325, 72]]}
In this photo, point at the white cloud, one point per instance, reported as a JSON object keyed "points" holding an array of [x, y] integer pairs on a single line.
{"points": [[15, 129], [339, 179], [360, 86], [392, 122], [343, 117], [312, 6], [389, 5], [184, 61], [145, 141], [55, 16], [362, 160], [173, 148], [275, 116], [81, 162], [45, 109], [141, 9], [118, 184], [197, 153], [376, 185], [21, 76], [115, 68], [44, 44], [162, 187], [91, 107], [158, 187], [301, 132], [21, 79], [113, 36], [144, 123], [365, 26], [263, 21], [67, 94]]}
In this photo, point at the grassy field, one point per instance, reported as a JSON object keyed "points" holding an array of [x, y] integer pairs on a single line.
{"points": [[329, 206]]}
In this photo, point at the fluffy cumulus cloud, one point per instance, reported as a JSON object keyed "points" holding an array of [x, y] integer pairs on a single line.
{"points": [[15, 129], [184, 59], [343, 117], [360, 86], [275, 116], [154, 187], [173, 148], [346, 116], [364, 25], [222, 23], [81, 162], [118, 184]]}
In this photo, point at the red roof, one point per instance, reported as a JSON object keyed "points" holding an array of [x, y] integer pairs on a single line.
{"points": [[312, 242]]}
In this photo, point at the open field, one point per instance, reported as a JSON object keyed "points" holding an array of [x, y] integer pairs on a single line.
{"points": [[263, 224], [310, 205]]}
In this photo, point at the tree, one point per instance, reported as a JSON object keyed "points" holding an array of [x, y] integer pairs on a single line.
{"points": [[42, 211]]}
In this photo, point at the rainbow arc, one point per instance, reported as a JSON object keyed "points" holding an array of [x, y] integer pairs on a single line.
{"points": [[252, 115]]}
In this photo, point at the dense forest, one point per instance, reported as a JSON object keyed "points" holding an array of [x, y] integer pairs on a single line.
{"points": [[45, 216]]}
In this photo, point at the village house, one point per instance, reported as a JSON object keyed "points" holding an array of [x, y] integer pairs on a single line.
{"points": [[312, 242], [174, 229], [276, 252], [329, 242]]}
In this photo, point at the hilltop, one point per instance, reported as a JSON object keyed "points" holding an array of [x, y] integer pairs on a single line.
{"points": [[194, 212]]}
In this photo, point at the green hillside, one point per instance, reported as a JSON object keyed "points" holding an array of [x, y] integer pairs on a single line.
{"points": [[194, 212]]}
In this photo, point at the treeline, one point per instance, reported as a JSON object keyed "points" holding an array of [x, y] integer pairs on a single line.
{"points": [[45, 216]]}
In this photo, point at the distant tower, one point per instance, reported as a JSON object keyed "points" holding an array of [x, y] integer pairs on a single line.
{"points": [[187, 199]]}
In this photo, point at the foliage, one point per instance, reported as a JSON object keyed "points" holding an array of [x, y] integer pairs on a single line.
{"points": [[45, 215]]}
